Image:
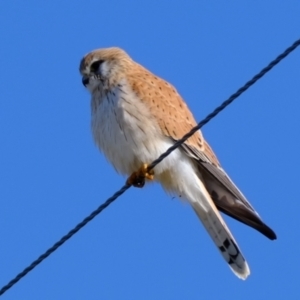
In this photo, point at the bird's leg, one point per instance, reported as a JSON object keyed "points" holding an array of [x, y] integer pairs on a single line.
{"points": [[137, 179]]}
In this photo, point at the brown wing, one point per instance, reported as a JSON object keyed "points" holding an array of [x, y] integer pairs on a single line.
{"points": [[171, 112], [175, 120], [227, 197]]}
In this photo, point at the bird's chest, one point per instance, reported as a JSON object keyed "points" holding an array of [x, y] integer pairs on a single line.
{"points": [[124, 130]]}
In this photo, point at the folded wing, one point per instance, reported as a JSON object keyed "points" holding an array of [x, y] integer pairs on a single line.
{"points": [[226, 196]]}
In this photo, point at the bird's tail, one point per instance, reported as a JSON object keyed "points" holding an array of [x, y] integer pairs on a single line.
{"points": [[189, 185], [223, 238]]}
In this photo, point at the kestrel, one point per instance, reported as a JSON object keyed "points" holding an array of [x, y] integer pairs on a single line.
{"points": [[136, 116]]}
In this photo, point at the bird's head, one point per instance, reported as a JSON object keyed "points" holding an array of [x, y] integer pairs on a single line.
{"points": [[103, 67]]}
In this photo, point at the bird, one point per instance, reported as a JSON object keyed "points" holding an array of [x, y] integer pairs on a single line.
{"points": [[135, 117]]}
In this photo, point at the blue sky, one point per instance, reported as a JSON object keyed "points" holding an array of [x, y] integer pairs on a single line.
{"points": [[146, 245]]}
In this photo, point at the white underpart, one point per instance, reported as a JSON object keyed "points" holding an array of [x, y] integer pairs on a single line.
{"points": [[104, 69], [127, 134]]}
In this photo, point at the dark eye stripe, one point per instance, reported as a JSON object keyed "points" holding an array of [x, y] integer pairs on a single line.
{"points": [[95, 65]]}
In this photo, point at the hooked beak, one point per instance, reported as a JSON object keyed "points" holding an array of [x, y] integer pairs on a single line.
{"points": [[85, 80]]}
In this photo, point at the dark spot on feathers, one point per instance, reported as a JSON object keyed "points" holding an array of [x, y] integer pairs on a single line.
{"points": [[226, 243], [222, 249]]}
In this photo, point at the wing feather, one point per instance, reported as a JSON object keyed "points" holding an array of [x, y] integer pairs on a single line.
{"points": [[226, 196], [175, 120]]}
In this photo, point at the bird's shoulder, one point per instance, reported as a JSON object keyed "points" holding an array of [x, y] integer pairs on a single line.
{"points": [[168, 107]]}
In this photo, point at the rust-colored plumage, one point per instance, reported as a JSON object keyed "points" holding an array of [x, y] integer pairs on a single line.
{"points": [[136, 116]]}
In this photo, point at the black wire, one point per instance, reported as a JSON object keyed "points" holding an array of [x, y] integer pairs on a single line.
{"points": [[226, 103], [64, 239], [151, 166]]}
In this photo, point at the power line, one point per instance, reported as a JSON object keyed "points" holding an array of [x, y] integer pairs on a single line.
{"points": [[151, 166], [226, 103]]}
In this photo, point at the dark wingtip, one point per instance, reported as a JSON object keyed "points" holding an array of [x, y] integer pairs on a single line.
{"points": [[251, 220], [262, 228], [268, 232]]}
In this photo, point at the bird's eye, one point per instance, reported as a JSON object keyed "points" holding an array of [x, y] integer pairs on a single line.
{"points": [[95, 66]]}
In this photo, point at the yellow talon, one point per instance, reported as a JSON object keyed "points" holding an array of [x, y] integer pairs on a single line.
{"points": [[137, 178]]}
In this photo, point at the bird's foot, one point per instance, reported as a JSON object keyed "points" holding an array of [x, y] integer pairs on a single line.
{"points": [[137, 179]]}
